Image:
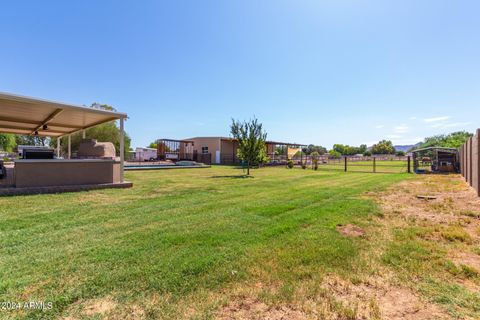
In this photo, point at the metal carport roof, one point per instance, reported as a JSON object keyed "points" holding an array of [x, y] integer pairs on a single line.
{"points": [[27, 115]]}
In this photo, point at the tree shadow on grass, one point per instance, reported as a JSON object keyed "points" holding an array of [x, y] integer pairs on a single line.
{"points": [[243, 176]]}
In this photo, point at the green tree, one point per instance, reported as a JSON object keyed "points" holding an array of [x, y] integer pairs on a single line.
{"points": [[251, 142], [383, 147], [105, 132], [347, 150], [315, 156], [153, 145], [452, 140], [7, 142], [340, 148], [312, 148], [362, 149], [32, 140], [334, 153]]}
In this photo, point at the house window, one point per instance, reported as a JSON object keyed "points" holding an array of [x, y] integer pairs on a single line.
{"points": [[204, 150]]}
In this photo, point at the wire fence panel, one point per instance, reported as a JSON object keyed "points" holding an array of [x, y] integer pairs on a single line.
{"points": [[363, 164]]}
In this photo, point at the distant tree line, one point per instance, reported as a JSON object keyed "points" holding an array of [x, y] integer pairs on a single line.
{"points": [[452, 140], [346, 150], [312, 148]]}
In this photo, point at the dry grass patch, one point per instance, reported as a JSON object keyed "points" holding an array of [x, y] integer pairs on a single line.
{"points": [[351, 230], [249, 308], [97, 307], [333, 298], [425, 236]]}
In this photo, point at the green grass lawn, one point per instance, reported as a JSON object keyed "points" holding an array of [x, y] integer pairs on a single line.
{"points": [[182, 233]]}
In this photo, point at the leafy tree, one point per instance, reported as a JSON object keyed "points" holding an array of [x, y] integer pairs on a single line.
{"points": [[367, 154], [153, 145], [315, 156], [32, 140], [7, 142], [105, 132], [400, 153], [251, 142], [362, 149], [383, 147], [452, 140], [334, 153], [347, 150], [312, 148], [340, 148]]}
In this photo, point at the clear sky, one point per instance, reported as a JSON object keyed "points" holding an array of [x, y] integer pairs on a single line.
{"points": [[316, 71]]}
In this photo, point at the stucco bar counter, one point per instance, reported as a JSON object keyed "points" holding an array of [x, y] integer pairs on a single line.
{"points": [[72, 172]]}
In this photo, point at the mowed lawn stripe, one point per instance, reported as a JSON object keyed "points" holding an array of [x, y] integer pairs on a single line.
{"points": [[177, 231]]}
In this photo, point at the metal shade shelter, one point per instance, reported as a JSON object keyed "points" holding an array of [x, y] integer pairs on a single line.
{"points": [[26, 115], [438, 159], [32, 116]]}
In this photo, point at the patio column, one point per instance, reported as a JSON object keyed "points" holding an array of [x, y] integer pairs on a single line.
{"points": [[58, 147], [69, 146], [122, 148]]}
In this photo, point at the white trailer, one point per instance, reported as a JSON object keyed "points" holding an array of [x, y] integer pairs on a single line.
{"points": [[145, 154]]}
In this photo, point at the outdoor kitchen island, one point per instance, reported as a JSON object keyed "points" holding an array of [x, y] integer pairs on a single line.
{"points": [[65, 172]]}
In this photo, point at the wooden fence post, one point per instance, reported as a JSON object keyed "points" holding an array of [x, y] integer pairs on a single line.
{"points": [[345, 164], [409, 165], [374, 164]]}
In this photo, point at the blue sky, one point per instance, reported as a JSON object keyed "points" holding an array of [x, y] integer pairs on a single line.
{"points": [[319, 72]]}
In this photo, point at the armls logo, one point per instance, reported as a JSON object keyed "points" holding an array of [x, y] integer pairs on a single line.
{"points": [[27, 305]]}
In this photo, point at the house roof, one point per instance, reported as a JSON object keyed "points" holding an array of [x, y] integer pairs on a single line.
{"points": [[33, 116], [267, 142], [172, 140]]}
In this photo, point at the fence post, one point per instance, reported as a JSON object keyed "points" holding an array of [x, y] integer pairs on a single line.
{"points": [[374, 164], [345, 164], [409, 165]]}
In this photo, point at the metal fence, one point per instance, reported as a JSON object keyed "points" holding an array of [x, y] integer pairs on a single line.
{"points": [[375, 164], [205, 158], [470, 161], [380, 164]]}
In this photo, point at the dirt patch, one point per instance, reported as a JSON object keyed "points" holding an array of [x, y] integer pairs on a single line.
{"points": [[468, 258], [98, 306], [455, 202], [254, 309], [133, 312], [401, 303], [377, 299], [450, 220], [351, 230]]}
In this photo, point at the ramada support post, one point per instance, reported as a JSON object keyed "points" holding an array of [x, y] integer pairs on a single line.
{"points": [[122, 148], [69, 146], [58, 147]]}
